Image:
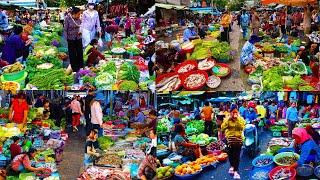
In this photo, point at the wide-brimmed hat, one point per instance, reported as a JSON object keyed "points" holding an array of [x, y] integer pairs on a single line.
{"points": [[254, 39], [190, 25]]}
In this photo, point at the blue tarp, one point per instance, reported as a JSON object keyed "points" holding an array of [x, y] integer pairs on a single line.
{"points": [[222, 99], [207, 10]]}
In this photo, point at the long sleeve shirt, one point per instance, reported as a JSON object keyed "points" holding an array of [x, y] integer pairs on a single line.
{"points": [[96, 113], [75, 106], [91, 22], [233, 128], [292, 114], [71, 28], [140, 117], [307, 148]]}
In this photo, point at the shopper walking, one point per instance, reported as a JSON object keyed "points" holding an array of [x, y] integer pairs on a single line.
{"points": [[233, 128], [96, 113], [87, 109], [225, 23], [292, 117], [18, 112], [90, 24], [255, 22], [76, 112], [72, 34], [244, 22], [207, 115]]}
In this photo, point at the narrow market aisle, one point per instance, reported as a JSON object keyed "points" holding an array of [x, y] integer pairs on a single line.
{"points": [[234, 82], [73, 155], [221, 172]]}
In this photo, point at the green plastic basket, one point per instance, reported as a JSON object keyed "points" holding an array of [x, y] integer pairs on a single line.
{"points": [[14, 76], [276, 134], [21, 81], [23, 176], [12, 178]]}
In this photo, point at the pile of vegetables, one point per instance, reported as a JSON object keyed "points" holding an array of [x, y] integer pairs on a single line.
{"points": [[187, 169], [222, 51], [272, 79], [165, 172], [163, 125], [200, 53], [267, 47], [206, 160], [129, 72], [105, 142], [219, 145], [194, 127], [201, 139], [51, 79]]}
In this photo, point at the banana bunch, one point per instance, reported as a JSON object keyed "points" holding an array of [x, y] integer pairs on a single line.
{"points": [[14, 68]]}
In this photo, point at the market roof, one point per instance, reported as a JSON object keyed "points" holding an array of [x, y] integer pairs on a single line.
{"points": [[170, 6]]}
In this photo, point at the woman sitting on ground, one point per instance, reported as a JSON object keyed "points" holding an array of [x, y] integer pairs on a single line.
{"points": [[91, 53]]}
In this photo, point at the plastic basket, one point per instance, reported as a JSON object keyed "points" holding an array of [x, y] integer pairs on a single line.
{"points": [[276, 169], [23, 176], [276, 134], [305, 170], [262, 157], [253, 173], [189, 176], [317, 171], [14, 76], [284, 154]]}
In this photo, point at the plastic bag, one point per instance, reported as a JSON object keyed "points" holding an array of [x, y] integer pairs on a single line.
{"points": [[100, 43], [82, 120]]}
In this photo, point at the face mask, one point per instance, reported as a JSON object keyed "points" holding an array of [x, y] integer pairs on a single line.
{"points": [[251, 109], [91, 7]]}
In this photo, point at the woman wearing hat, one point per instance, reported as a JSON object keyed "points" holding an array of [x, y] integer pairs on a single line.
{"points": [[246, 57], [90, 24], [233, 127], [96, 113], [190, 33]]}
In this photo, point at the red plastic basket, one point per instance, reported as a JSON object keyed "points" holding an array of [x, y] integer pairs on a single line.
{"points": [[167, 75], [185, 76], [276, 169], [187, 62]]}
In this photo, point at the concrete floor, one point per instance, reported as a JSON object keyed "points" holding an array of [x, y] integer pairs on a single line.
{"points": [[73, 155]]}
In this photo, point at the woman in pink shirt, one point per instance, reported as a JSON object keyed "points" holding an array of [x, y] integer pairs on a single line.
{"points": [[96, 113], [76, 112]]}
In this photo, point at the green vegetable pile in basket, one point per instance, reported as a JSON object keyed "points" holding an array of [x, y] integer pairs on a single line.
{"points": [[202, 139], [109, 67], [272, 79], [222, 51], [128, 71], [200, 53], [298, 68], [105, 142]]}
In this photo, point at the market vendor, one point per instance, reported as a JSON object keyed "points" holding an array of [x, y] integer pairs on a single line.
{"points": [[22, 163], [246, 57], [92, 149], [183, 146], [148, 167], [139, 117], [149, 54], [251, 114], [233, 128], [303, 54], [14, 46], [15, 148], [313, 133], [91, 54], [18, 112], [307, 147], [190, 33], [175, 116], [152, 119]]}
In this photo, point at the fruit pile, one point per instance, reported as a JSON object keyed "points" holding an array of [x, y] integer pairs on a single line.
{"points": [[206, 160], [188, 169], [164, 172]]}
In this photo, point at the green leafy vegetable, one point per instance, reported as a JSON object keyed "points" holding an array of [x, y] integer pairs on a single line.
{"points": [[129, 71], [105, 142]]}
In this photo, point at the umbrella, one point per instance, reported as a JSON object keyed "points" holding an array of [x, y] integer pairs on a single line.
{"points": [[290, 2]]}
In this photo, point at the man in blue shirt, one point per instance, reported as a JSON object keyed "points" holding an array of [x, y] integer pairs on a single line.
{"points": [[292, 117], [139, 116], [4, 22], [243, 109], [272, 108], [244, 22], [189, 33]]}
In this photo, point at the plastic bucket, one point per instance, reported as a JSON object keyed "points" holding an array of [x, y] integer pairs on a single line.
{"points": [[14, 76]]}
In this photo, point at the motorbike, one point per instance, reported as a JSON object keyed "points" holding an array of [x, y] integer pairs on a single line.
{"points": [[251, 142]]}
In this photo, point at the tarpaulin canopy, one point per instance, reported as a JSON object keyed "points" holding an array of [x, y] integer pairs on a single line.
{"points": [[290, 2], [169, 6], [222, 99]]}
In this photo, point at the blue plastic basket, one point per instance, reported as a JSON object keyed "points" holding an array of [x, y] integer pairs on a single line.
{"points": [[259, 170], [305, 170], [317, 171], [286, 150], [267, 166], [3, 161]]}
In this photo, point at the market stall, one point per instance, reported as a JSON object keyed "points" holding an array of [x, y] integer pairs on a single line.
{"points": [[204, 66], [124, 145], [46, 67], [277, 67], [41, 134]]}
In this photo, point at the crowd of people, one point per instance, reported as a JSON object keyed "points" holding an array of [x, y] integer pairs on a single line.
{"points": [[86, 32], [230, 120]]}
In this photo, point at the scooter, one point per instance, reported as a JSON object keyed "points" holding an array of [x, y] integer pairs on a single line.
{"points": [[251, 142]]}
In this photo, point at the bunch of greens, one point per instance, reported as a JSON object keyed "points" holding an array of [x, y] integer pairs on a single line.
{"points": [[272, 79], [109, 67], [222, 51], [105, 142], [128, 71], [128, 86], [195, 125], [51, 79]]}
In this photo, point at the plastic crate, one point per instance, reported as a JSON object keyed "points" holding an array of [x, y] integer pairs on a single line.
{"points": [[305, 170]]}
